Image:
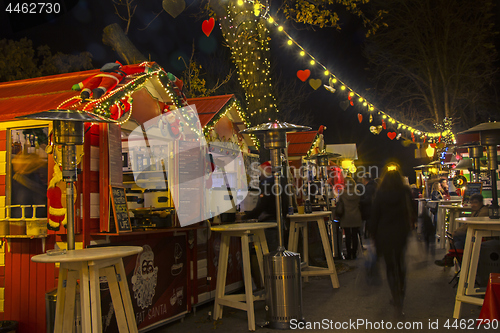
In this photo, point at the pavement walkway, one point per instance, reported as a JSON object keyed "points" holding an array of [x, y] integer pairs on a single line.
{"points": [[359, 304]]}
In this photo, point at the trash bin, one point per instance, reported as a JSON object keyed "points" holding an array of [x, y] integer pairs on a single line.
{"points": [[283, 288], [50, 310], [8, 326]]}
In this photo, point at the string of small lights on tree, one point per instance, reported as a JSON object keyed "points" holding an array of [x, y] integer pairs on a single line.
{"points": [[388, 122], [249, 44]]}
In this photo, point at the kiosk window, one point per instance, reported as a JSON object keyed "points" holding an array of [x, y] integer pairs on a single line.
{"points": [[28, 172]]}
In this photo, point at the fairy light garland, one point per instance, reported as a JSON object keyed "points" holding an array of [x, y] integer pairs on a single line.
{"points": [[244, 61], [236, 104], [445, 133]]}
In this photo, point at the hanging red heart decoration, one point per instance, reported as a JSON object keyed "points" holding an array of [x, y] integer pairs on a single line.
{"points": [[207, 26], [384, 125], [349, 97], [433, 145], [391, 135], [303, 74], [352, 103], [360, 117]]}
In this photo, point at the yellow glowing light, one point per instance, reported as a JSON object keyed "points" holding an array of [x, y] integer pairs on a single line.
{"points": [[334, 80], [351, 94], [392, 167], [280, 28], [270, 19], [429, 151], [360, 99], [342, 88], [289, 42], [240, 2], [326, 72], [312, 62], [302, 53]]}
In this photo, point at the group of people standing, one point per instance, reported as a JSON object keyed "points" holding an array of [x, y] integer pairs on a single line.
{"points": [[386, 211]]}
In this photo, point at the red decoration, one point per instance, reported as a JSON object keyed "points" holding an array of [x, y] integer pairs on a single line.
{"points": [[391, 135], [384, 125], [352, 103], [360, 117], [303, 74], [56, 212], [108, 78], [439, 140], [349, 97], [433, 145], [207, 26]]}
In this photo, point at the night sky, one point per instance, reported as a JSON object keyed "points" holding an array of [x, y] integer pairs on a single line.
{"points": [[79, 28]]}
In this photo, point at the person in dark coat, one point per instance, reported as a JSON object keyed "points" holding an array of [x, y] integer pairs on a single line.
{"points": [[390, 226], [350, 220], [366, 199]]}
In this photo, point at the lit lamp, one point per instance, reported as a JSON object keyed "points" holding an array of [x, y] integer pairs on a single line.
{"points": [[429, 151], [281, 267], [489, 134], [68, 132]]}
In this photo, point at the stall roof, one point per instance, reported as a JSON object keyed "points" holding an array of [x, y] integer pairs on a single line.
{"points": [[346, 150], [300, 142], [208, 107], [23, 97]]}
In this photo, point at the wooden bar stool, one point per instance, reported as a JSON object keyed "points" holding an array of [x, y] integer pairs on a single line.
{"points": [[87, 265], [299, 223], [248, 232]]}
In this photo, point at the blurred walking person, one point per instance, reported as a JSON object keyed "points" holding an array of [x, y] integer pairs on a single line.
{"points": [[389, 226], [350, 220], [366, 200]]}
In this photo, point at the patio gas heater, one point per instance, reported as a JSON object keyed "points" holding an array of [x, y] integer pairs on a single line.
{"points": [[489, 137], [281, 267], [68, 132], [322, 163]]}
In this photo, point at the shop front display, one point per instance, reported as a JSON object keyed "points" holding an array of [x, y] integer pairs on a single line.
{"points": [[134, 188]]}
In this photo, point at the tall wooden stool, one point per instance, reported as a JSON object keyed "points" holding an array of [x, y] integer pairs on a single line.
{"points": [[248, 232], [87, 265], [299, 223]]}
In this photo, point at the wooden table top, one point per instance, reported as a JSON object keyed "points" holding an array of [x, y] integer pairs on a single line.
{"points": [[89, 254], [243, 226], [480, 221], [309, 216]]}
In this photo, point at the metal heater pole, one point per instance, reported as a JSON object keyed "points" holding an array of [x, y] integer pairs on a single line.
{"points": [[276, 167], [69, 172]]}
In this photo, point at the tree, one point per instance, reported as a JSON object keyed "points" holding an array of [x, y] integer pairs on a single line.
{"points": [[18, 61], [245, 30], [434, 59]]}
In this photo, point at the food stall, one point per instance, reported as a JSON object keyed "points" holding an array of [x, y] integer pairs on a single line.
{"points": [[112, 170], [300, 146]]}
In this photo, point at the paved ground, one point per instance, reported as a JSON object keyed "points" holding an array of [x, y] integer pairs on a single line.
{"points": [[429, 303]]}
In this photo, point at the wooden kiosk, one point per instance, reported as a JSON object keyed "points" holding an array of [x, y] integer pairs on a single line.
{"points": [[184, 272]]}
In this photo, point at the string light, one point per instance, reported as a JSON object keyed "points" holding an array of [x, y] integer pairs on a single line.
{"points": [[449, 137]]}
